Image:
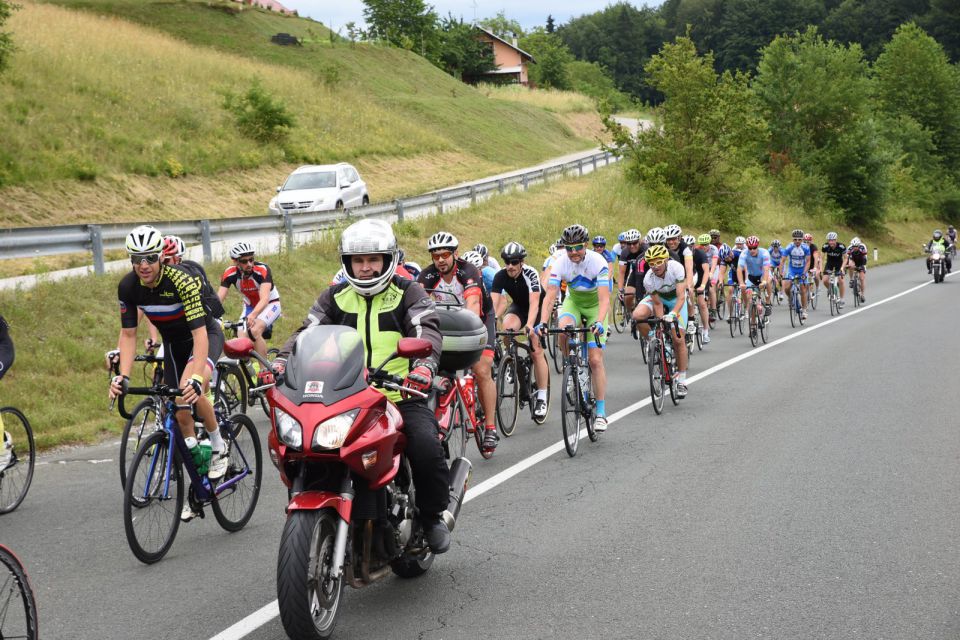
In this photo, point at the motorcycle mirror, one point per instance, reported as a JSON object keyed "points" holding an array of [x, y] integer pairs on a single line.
{"points": [[414, 348], [238, 348]]}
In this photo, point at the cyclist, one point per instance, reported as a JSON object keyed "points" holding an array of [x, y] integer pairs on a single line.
{"points": [[488, 260], [451, 274], [857, 261], [797, 258], [173, 250], [600, 246], [631, 253], [834, 254], [813, 282], [666, 286], [753, 267], [699, 283], [776, 262], [7, 354], [618, 248], [713, 259], [588, 300], [484, 265], [952, 237], [733, 259], [261, 299], [940, 242], [383, 308], [522, 284], [682, 253], [170, 297], [412, 268]]}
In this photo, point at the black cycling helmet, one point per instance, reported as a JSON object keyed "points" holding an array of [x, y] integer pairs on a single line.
{"points": [[513, 251], [575, 234], [797, 234]]}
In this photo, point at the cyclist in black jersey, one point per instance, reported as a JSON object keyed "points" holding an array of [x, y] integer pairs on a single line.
{"points": [[631, 253], [698, 290], [170, 297], [834, 255], [521, 282]]}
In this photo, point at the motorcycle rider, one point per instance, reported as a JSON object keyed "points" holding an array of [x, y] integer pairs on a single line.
{"points": [[941, 243], [384, 307]]}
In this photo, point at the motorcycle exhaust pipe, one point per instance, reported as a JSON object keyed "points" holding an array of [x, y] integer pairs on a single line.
{"points": [[459, 476]]}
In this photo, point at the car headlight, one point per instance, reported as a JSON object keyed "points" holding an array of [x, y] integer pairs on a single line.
{"points": [[289, 430], [331, 433]]}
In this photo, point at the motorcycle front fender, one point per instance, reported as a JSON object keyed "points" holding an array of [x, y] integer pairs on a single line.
{"points": [[315, 500]]}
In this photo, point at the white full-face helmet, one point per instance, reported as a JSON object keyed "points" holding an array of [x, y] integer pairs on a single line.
{"points": [[367, 237]]}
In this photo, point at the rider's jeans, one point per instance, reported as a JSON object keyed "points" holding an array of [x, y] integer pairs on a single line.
{"points": [[425, 453]]}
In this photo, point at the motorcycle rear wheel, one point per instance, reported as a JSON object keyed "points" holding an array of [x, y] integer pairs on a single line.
{"points": [[304, 588]]}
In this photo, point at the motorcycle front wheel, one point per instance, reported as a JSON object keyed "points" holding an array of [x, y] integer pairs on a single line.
{"points": [[309, 599]]}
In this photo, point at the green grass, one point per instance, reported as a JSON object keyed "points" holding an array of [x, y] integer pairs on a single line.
{"points": [[60, 382]]}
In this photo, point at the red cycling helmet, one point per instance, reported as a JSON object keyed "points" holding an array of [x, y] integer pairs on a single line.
{"points": [[172, 247], [753, 242], [808, 237]]}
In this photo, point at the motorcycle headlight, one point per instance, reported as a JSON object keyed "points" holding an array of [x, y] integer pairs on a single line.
{"points": [[289, 430], [331, 433]]}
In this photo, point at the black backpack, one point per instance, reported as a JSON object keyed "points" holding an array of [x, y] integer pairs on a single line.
{"points": [[208, 297]]}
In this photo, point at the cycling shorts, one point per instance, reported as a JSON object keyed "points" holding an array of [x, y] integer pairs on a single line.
{"points": [[668, 304], [588, 312], [754, 280], [6, 353], [490, 322], [268, 316], [176, 355], [791, 273], [523, 312]]}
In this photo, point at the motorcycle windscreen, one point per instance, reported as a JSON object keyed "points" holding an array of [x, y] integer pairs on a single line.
{"points": [[326, 365]]}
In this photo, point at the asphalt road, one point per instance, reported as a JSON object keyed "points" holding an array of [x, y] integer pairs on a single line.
{"points": [[806, 491]]}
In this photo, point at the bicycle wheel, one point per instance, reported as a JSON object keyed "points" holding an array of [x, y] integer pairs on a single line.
{"points": [[480, 429], [508, 396], [674, 393], [231, 389], [655, 369], [812, 296], [143, 421], [152, 527], [643, 347], [733, 321], [234, 505], [455, 443], [571, 414], [856, 291], [764, 329], [15, 479], [754, 330], [619, 316], [18, 607], [740, 317], [557, 353], [721, 302], [793, 309]]}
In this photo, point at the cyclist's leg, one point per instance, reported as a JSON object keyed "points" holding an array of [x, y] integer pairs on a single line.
{"points": [[704, 312], [541, 373], [643, 311], [590, 315], [679, 342], [262, 323], [863, 282], [483, 372]]}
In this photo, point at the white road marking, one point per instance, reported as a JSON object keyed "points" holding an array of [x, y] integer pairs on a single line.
{"points": [[264, 615]]}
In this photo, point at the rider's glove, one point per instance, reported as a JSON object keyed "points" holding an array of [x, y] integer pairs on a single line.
{"points": [[279, 366], [196, 383], [123, 382], [669, 318], [112, 357], [597, 328], [420, 377], [540, 329]]}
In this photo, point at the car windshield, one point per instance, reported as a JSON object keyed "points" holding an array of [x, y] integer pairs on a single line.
{"points": [[326, 365], [313, 180]]}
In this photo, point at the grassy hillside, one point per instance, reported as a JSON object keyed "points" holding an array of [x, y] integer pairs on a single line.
{"points": [[110, 106], [47, 346]]}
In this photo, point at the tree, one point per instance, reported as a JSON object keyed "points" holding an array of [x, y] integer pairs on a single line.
{"points": [[550, 25], [410, 24], [552, 57], [502, 26], [6, 40], [871, 24], [943, 23], [461, 53]]}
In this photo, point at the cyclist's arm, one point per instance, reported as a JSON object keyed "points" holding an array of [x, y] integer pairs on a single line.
{"points": [[547, 307], [473, 302], [265, 289], [603, 295], [681, 297], [499, 304], [621, 271], [222, 293], [201, 348], [767, 275], [532, 308], [127, 344]]}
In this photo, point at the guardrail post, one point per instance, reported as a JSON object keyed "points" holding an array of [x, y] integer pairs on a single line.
{"points": [[96, 247], [205, 240], [439, 202], [500, 185], [580, 167], [399, 204], [473, 195], [606, 159], [594, 159], [525, 182], [288, 228]]}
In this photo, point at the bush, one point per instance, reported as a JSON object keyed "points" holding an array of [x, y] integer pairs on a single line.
{"points": [[172, 167], [258, 116]]}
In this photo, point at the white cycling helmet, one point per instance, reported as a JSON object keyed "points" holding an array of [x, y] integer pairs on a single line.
{"points": [[673, 231], [855, 240], [442, 240], [482, 250], [689, 241], [241, 249], [739, 240], [656, 236], [474, 258], [144, 239], [363, 238], [832, 236], [632, 235]]}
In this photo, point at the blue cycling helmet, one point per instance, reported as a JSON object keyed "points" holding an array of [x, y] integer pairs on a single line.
{"points": [[599, 240]]}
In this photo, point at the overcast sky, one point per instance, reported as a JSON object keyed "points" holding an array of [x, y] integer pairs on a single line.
{"points": [[528, 13]]}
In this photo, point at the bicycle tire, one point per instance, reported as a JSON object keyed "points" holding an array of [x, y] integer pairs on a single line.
{"points": [[152, 456], [754, 329], [243, 443], [618, 315], [643, 347], [812, 296], [588, 406], [557, 354], [480, 429], [570, 412], [655, 370], [740, 316], [455, 439], [508, 396], [765, 329], [231, 389], [15, 479], [793, 309], [16, 587], [674, 393], [134, 431]]}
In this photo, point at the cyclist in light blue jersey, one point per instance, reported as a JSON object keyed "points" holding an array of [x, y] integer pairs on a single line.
{"points": [[753, 270]]}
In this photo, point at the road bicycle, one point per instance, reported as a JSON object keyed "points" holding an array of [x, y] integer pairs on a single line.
{"points": [[553, 342], [236, 380], [146, 417], [662, 363], [459, 413], [155, 489], [18, 605], [855, 286], [695, 337], [621, 317], [833, 294], [16, 476], [578, 405], [736, 312], [778, 285], [813, 289], [516, 383], [796, 307], [759, 320]]}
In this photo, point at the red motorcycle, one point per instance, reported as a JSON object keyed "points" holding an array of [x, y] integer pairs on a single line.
{"points": [[338, 443]]}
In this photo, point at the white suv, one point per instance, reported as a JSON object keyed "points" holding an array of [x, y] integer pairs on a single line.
{"points": [[320, 187]]}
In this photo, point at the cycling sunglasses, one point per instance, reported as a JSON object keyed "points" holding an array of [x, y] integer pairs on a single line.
{"points": [[513, 263], [575, 247], [247, 260], [151, 258], [443, 255]]}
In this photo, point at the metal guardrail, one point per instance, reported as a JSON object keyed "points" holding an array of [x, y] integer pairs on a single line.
{"points": [[28, 242]]}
